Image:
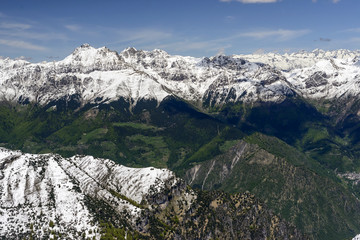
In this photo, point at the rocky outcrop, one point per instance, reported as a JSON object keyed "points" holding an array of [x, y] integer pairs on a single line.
{"points": [[219, 215], [292, 185]]}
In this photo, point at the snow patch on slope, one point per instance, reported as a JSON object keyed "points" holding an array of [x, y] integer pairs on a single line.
{"points": [[357, 237]]}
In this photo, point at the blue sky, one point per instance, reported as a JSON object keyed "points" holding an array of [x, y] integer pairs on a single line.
{"points": [[50, 30]]}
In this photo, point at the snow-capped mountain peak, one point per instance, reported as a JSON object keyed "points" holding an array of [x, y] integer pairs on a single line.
{"points": [[87, 58]]}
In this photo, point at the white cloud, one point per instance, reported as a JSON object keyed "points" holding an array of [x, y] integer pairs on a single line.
{"points": [[354, 40], [266, 1], [280, 34], [258, 1], [230, 18], [221, 44], [20, 26], [324, 39], [21, 44], [221, 51], [259, 51], [27, 31], [353, 30], [251, 1], [22, 34], [23, 58], [142, 35], [215, 45], [73, 27]]}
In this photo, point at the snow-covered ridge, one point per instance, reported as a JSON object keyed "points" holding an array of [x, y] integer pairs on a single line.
{"points": [[216, 80], [133, 74], [302, 59], [88, 72], [249, 78], [101, 76], [318, 74], [40, 189], [327, 79], [6, 64]]}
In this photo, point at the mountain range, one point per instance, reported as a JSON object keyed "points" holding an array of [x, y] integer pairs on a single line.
{"points": [[134, 75], [285, 128]]}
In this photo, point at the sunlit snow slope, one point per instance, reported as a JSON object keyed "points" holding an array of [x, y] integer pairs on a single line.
{"points": [[38, 189]]}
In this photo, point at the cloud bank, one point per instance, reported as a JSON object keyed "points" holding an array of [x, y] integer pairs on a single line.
{"points": [[251, 1], [21, 44], [280, 34]]}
